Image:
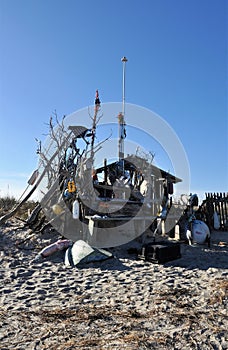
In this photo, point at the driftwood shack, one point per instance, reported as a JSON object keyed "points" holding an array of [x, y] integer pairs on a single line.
{"points": [[112, 204], [107, 205]]}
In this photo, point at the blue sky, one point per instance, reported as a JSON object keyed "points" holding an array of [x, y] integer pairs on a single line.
{"points": [[55, 54]]}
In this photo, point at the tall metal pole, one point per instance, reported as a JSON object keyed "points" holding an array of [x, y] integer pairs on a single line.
{"points": [[121, 117], [124, 60]]}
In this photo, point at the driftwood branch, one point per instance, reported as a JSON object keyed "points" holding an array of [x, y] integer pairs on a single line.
{"points": [[7, 216]]}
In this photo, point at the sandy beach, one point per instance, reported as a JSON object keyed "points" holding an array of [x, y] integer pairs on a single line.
{"points": [[120, 303]]}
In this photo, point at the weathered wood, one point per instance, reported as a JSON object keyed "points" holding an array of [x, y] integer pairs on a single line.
{"points": [[225, 208], [217, 202], [12, 212], [34, 215], [7, 216]]}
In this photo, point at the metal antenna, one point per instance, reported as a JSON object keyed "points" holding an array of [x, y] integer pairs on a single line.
{"points": [[122, 131], [124, 60]]}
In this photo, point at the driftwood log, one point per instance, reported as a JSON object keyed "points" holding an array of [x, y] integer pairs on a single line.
{"points": [[7, 216]]}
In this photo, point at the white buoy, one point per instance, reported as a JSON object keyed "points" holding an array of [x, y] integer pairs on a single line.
{"points": [[75, 209], [200, 231]]}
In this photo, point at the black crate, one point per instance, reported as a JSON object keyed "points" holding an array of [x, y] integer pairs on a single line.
{"points": [[160, 252]]}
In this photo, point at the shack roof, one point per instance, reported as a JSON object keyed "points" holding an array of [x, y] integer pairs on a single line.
{"points": [[130, 164]]}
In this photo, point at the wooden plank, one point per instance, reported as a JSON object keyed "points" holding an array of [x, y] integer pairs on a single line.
{"points": [[225, 210], [222, 216], [121, 218], [217, 202]]}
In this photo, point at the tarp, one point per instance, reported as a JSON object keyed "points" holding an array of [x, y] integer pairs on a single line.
{"points": [[81, 253]]}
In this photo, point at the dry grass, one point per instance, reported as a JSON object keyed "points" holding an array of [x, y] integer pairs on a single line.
{"points": [[220, 292], [7, 203], [89, 327]]}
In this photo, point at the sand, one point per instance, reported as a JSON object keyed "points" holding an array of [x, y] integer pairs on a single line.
{"points": [[120, 303]]}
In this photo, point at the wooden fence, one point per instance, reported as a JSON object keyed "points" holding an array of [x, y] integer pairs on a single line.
{"points": [[217, 202]]}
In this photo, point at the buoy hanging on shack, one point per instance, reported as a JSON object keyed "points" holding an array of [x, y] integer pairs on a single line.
{"points": [[33, 177], [75, 209]]}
